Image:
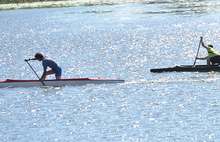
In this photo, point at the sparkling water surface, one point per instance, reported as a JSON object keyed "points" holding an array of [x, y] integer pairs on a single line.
{"points": [[122, 40]]}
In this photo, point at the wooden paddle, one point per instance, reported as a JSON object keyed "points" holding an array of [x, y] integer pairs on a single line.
{"points": [[197, 52], [36, 74]]}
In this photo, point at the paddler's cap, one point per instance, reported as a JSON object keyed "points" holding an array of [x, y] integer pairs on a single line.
{"points": [[210, 45]]}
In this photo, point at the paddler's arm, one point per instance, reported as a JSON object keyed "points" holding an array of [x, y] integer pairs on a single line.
{"points": [[30, 59], [202, 58], [203, 42]]}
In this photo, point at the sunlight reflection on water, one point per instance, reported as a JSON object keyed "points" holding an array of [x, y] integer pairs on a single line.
{"points": [[110, 42]]}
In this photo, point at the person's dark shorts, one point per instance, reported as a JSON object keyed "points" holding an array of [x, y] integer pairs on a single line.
{"points": [[58, 72], [215, 59]]}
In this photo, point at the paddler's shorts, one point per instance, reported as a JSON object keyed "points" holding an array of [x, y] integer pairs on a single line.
{"points": [[215, 59], [58, 72]]}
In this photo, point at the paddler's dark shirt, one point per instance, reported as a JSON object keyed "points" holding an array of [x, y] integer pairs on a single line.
{"points": [[47, 62]]}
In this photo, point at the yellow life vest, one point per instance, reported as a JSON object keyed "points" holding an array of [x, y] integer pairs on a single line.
{"points": [[211, 52]]}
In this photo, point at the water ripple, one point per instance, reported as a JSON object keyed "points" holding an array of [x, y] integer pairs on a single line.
{"points": [[111, 41]]}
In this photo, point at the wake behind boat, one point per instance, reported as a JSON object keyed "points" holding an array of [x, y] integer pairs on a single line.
{"points": [[60, 82], [188, 68]]}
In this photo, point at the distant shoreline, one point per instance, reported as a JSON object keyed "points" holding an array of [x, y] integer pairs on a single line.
{"points": [[57, 4], [45, 4]]}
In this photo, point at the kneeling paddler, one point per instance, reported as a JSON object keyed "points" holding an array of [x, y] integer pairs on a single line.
{"points": [[212, 57]]}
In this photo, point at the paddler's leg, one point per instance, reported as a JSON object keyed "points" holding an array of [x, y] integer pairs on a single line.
{"points": [[58, 77], [58, 73], [208, 62], [48, 73], [215, 59]]}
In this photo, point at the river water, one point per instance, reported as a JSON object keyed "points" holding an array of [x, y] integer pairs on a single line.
{"points": [[121, 40]]}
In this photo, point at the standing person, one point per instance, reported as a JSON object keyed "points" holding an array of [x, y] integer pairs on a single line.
{"points": [[47, 62], [212, 57]]}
